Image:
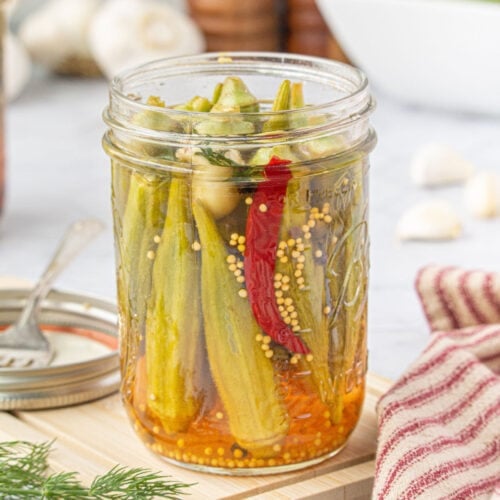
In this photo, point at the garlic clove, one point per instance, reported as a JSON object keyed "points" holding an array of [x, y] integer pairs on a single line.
{"points": [[482, 195], [56, 36], [125, 33], [437, 164], [429, 220], [17, 67]]}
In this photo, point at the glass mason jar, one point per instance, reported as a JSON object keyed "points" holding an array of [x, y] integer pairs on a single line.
{"points": [[242, 256]]}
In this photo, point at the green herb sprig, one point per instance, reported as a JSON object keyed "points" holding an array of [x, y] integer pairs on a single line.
{"points": [[217, 158], [25, 475]]}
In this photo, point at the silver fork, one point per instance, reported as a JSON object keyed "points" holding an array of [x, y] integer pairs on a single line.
{"points": [[23, 345]]}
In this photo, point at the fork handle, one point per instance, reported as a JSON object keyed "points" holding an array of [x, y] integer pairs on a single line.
{"points": [[74, 240]]}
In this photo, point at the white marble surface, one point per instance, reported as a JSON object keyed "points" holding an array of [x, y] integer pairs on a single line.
{"points": [[57, 173]]}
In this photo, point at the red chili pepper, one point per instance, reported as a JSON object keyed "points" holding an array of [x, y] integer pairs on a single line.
{"points": [[262, 234]]}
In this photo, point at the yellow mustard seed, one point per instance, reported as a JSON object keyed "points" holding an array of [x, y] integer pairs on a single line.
{"points": [[263, 207], [286, 279], [180, 443], [280, 253], [294, 360], [300, 280], [243, 293], [288, 301], [282, 245], [300, 266], [232, 267], [296, 328], [240, 279], [220, 452], [290, 309], [241, 239], [285, 288], [277, 448], [237, 272], [230, 259], [318, 253], [157, 238], [150, 255], [248, 200], [280, 300], [278, 293], [278, 276], [219, 415], [271, 462], [237, 453], [295, 254], [277, 285], [259, 337], [311, 223], [290, 242], [293, 314], [208, 450], [284, 259], [269, 354], [234, 236], [287, 319], [309, 357], [264, 347], [241, 248], [294, 322], [327, 310], [297, 273], [240, 264], [266, 339], [305, 228], [307, 236], [328, 219]]}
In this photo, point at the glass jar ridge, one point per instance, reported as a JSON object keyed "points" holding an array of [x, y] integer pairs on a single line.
{"points": [[241, 238]]}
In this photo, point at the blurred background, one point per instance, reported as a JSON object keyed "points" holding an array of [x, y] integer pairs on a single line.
{"points": [[434, 71]]}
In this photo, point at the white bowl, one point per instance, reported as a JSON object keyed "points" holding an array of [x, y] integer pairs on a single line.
{"points": [[441, 53]]}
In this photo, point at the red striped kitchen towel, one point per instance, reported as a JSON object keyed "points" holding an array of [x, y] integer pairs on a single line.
{"points": [[439, 425]]}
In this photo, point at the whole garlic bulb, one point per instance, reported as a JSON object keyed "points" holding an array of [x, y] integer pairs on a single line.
{"points": [[482, 195], [56, 36], [125, 33], [437, 164], [429, 220], [17, 67]]}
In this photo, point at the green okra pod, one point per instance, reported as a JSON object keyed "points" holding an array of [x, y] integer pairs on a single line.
{"points": [[244, 377], [173, 337]]}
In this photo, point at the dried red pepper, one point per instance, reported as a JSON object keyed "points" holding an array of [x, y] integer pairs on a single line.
{"points": [[262, 235]]}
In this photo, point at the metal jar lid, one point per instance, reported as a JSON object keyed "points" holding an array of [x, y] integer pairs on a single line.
{"points": [[84, 332]]}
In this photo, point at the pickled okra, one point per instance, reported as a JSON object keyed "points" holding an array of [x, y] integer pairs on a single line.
{"points": [[243, 375], [173, 341], [243, 278]]}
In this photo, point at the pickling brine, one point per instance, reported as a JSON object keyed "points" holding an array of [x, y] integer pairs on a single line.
{"points": [[240, 211]]}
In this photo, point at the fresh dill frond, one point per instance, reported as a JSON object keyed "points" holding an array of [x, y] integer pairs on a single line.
{"points": [[122, 483], [24, 476], [218, 158]]}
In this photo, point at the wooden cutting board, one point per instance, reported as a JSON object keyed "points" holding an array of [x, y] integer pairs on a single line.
{"points": [[93, 437]]}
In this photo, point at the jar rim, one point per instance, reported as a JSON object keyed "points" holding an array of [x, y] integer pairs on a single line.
{"points": [[318, 67]]}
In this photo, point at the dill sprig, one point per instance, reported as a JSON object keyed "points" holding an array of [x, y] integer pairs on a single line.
{"points": [[25, 475], [217, 158]]}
